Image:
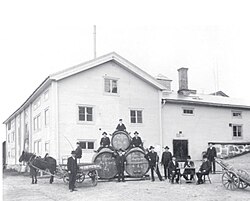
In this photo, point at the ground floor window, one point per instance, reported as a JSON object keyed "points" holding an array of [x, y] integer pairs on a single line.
{"points": [[237, 131], [87, 144], [38, 147], [47, 147]]}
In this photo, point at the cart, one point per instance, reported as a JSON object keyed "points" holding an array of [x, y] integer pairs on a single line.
{"points": [[233, 178], [85, 171]]}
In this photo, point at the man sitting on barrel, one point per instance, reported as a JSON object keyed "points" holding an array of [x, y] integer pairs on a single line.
{"points": [[120, 126], [120, 161], [136, 141], [105, 142]]}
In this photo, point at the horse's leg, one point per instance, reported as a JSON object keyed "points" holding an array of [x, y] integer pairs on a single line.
{"points": [[32, 177], [35, 176]]}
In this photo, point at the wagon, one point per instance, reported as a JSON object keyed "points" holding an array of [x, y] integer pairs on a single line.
{"points": [[233, 178]]}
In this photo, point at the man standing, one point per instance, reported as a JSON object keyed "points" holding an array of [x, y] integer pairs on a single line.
{"points": [[78, 151], [174, 170], [136, 141], [72, 170], [120, 161], [120, 126], [153, 159], [204, 169], [165, 159], [105, 142], [211, 154]]}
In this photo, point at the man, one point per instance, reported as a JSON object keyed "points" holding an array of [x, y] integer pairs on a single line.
{"points": [[120, 161], [72, 170], [105, 142], [165, 159], [136, 141], [120, 126], [153, 159], [174, 170], [204, 169], [78, 151], [189, 169], [211, 154]]}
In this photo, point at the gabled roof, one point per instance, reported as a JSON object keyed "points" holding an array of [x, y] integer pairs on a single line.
{"points": [[86, 66], [206, 100]]}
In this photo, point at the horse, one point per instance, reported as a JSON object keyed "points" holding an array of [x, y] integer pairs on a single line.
{"points": [[36, 162]]}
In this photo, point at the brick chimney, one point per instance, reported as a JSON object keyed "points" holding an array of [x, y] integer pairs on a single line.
{"points": [[183, 82]]}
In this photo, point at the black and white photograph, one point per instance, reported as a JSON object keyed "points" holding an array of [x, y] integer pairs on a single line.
{"points": [[125, 100]]}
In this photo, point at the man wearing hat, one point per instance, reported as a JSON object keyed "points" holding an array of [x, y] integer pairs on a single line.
{"points": [[189, 169], [120, 126], [78, 151], [136, 141], [72, 170], [105, 142], [120, 161], [211, 154], [153, 159], [165, 159], [204, 169]]}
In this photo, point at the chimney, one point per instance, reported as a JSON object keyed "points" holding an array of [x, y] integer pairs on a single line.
{"points": [[165, 81], [183, 78]]}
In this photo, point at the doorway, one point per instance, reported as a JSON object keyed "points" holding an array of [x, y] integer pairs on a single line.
{"points": [[180, 149]]}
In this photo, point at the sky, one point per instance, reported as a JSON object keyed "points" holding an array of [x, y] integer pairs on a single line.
{"points": [[38, 38]]}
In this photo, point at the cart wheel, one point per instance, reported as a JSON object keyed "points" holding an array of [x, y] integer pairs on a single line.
{"points": [[230, 180], [66, 178], [80, 177], [243, 174], [94, 177]]}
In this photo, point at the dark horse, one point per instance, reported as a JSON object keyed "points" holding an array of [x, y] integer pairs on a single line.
{"points": [[35, 162]]}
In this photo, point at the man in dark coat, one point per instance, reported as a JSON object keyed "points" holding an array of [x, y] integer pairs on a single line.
{"points": [[78, 151], [165, 159], [136, 141], [204, 169], [174, 170], [105, 142], [189, 169], [120, 161], [72, 170], [153, 159], [120, 126], [211, 154]]}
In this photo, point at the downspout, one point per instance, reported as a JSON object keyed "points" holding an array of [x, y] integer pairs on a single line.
{"points": [[160, 120]]}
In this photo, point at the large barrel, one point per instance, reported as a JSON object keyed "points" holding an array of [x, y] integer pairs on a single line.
{"points": [[121, 140], [107, 162], [137, 165]]}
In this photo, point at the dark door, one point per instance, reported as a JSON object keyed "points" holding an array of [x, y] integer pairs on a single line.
{"points": [[180, 149]]}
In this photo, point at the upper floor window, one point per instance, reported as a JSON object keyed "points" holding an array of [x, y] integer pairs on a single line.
{"points": [[12, 136], [87, 144], [188, 111], [37, 122], [46, 95], [38, 147], [47, 147], [37, 104], [9, 125], [136, 116], [237, 114], [46, 117], [110, 85], [85, 114], [237, 131]]}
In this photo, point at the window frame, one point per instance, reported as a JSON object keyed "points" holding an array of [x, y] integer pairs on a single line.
{"points": [[87, 141], [237, 131], [46, 95], [136, 116], [46, 118], [236, 111], [47, 149], [85, 121], [188, 109], [110, 87], [38, 148], [37, 126]]}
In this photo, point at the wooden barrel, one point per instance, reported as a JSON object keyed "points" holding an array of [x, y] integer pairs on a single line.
{"points": [[137, 165], [107, 162], [121, 140]]}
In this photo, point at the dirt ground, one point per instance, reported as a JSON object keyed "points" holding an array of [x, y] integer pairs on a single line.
{"points": [[19, 188]]}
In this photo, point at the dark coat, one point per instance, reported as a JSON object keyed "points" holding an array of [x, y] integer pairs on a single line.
{"points": [[105, 141], [189, 164], [121, 127], [166, 157], [136, 142], [72, 165], [205, 166], [78, 152], [172, 166], [211, 153], [120, 160], [152, 158]]}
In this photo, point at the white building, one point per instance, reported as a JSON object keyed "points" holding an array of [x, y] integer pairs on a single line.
{"points": [[79, 103]]}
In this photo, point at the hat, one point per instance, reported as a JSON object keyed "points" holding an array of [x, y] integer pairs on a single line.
{"points": [[204, 156], [104, 133], [166, 147], [188, 157], [78, 143], [136, 132], [120, 149], [151, 147], [120, 119], [73, 152]]}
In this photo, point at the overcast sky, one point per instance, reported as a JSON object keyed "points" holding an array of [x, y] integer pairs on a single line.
{"points": [[38, 38]]}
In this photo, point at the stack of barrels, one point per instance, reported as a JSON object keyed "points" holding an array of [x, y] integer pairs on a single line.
{"points": [[137, 165]]}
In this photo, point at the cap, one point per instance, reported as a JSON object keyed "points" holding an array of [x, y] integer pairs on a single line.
{"points": [[151, 147], [78, 143], [166, 147], [136, 132], [73, 152], [104, 133], [120, 119]]}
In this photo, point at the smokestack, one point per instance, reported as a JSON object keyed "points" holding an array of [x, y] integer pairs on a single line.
{"points": [[183, 79]]}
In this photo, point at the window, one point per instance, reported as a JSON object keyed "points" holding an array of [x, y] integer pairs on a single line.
{"points": [[9, 137], [85, 114], [136, 116], [237, 131], [87, 145], [46, 117], [37, 123], [47, 147], [12, 136], [38, 147], [46, 95], [13, 152], [237, 114], [110, 85], [9, 125], [188, 111], [37, 104]]}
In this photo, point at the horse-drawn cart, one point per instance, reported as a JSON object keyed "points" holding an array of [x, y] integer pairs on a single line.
{"points": [[233, 178]]}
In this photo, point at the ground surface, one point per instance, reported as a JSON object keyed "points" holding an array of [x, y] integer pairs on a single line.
{"points": [[19, 188]]}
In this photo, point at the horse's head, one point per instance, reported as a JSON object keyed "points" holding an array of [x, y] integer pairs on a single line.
{"points": [[25, 156]]}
